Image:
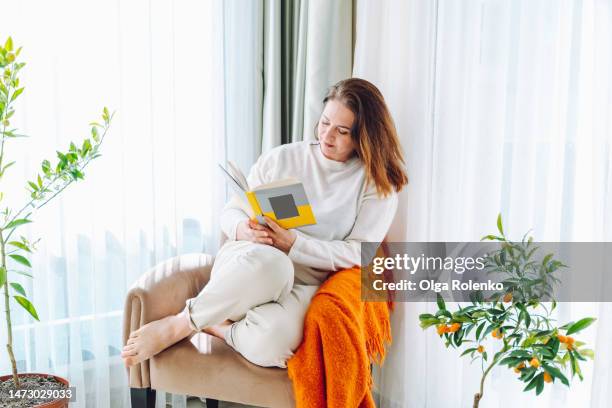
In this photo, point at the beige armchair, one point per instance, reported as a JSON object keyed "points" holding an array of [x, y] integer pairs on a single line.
{"points": [[201, 365]]}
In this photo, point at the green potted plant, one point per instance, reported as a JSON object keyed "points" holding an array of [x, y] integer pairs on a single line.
{"points": [[51, 180], [528, 340]]}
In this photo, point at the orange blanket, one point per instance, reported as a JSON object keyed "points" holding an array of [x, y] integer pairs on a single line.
{"points": [[342, 336]]}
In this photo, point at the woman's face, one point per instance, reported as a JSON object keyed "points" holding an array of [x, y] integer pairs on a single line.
{"points": [[334, 131]]}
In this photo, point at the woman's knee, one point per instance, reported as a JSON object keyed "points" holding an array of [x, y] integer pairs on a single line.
{"points": [[273, 265], [248, 261]]}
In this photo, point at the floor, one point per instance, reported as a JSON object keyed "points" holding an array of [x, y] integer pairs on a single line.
{"points": [[193, 402]]}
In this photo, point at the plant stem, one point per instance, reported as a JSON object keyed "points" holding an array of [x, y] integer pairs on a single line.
{"points": [[478, 396], [9, 327]]}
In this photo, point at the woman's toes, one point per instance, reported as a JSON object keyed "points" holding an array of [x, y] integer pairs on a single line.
{"points": [[128, 351], [152, 338]]}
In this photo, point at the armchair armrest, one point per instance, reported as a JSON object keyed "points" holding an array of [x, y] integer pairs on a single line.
{"points": [[158, 293]]}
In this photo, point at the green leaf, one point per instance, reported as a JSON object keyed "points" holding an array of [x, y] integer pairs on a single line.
{"points": [[27, 305], [527, 374], [17, 222], [18, 288], [499, 224], [469, 350], [546, 259], [76, 174], [33, 185], [527, 318], [575, 365], [588, 352], [510, 361], [20, 245], [532, 384], [539, 384], [580, 325], [16, 94], [542, 333], [524, 354], [2, 275], [8, 45], [72, 157], [22, 273], [22, 260], [46, 167], [85, 148], [458, 337], [440, 301], [491, 238], [553, 344], [555, 372], [479, 330], [489, 330], [524, 314], [94, 134], [426, 323], [579, 356]]}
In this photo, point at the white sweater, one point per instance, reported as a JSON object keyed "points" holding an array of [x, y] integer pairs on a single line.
{"points": [[346, 213]]}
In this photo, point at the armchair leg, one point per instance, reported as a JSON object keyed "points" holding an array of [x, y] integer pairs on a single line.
{"points": [[212, 403], [142, 397]]}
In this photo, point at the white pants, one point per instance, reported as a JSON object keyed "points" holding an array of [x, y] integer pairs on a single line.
{"points": [[253, 285]]}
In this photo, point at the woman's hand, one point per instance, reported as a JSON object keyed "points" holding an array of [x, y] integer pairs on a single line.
{"points": [[250, 230], [282, 239]]}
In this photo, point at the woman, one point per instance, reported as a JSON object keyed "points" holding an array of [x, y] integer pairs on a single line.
{"points": [[264, 277]]}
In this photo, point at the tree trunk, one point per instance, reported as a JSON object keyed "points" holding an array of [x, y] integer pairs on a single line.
{"points": [[477, 398], [9, 326]]}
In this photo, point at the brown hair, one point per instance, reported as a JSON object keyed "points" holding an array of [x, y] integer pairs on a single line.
{"points": [[373, 133]]}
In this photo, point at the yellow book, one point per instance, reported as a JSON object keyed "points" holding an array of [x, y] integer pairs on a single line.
{"points": [[284, 201]]}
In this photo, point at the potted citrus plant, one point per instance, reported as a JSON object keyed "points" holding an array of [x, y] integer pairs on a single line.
{"points": [[47, 184], [529, 341]]}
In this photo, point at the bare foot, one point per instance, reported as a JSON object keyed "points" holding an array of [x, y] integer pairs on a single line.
{"points": [[154, 337], [218, 330]]}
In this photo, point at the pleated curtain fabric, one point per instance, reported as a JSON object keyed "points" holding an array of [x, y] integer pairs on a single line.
{"points": [[281, 58]]}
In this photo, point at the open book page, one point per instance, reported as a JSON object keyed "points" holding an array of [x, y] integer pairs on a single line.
{"points": [[236, 185], [238, 175]]}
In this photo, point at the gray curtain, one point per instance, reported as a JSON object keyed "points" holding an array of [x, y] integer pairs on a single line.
{"points": [[280, 59]]}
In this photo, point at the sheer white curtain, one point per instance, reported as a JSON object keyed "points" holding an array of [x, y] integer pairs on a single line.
{"points": [[154, 192], [501, 106]]}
